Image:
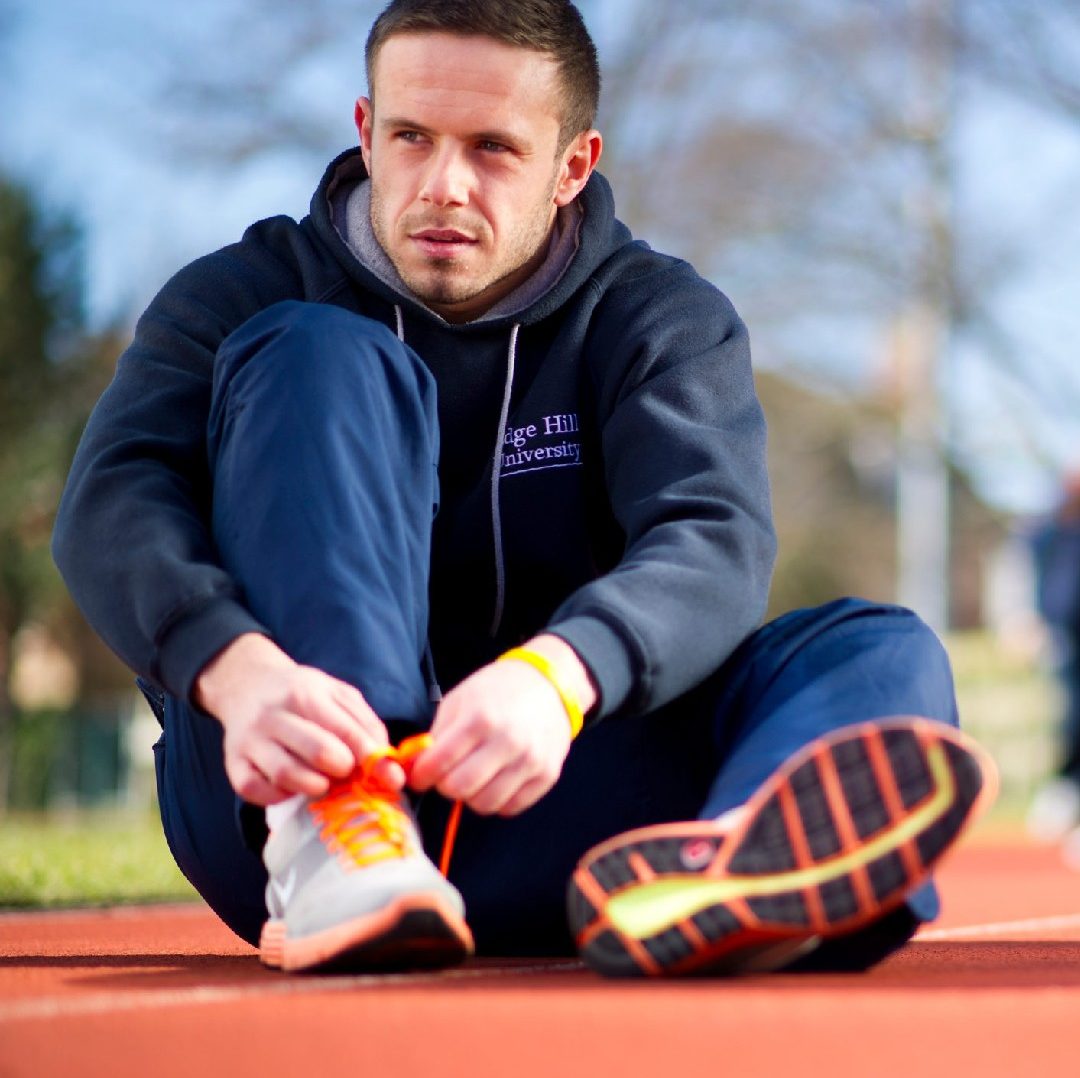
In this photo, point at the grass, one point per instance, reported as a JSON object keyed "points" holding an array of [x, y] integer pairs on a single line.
{"points": [[92, 859], [1009, 703]]}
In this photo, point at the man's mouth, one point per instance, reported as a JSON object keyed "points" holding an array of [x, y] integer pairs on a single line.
{"points": [[443, 235], [442, 241]]}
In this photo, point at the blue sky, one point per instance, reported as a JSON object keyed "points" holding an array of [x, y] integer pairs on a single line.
{"points": [[81, 124], [80, 89]]}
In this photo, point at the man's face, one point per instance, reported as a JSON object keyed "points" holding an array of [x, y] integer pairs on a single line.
{"points": [[462, 147]]}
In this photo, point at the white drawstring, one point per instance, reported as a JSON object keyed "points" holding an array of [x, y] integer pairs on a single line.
{"points": [[496, 473], [434, 690]]}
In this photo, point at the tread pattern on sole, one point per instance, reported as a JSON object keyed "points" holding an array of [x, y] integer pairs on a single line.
{"points": [[836, 838]]}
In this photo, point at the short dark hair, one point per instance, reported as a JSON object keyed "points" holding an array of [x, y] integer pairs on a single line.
{"points": [[554, 27]]}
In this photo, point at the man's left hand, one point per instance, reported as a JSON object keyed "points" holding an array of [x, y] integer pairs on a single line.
{"points": [[502, 735]]}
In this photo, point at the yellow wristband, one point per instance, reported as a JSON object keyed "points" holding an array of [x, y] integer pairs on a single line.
{"points": [[547, 668]]}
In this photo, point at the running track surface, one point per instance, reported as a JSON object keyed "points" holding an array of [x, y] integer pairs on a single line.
{"points": [[993, 988]]}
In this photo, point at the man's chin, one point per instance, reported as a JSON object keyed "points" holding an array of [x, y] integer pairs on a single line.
{"points": [[444, 293]]}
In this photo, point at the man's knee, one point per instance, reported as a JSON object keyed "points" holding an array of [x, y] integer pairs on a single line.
{"points": [[316, 348], [879, 655], [846, 618], [891, 643], [852, 616], [898, 626]]}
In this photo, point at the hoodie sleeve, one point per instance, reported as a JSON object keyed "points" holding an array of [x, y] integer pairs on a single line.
{"points": [[131, 538], [683, 441]]}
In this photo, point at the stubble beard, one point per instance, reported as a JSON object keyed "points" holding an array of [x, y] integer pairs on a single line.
{"points": [[445, 282]]}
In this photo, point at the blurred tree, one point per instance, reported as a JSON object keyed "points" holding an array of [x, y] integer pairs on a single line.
{"points": [[38, 303], [48, 370], [832, 462], [1031, 50]]}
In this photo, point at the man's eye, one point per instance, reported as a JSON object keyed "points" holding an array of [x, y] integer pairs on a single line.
{"points": [[408, 136], [492, 147]]}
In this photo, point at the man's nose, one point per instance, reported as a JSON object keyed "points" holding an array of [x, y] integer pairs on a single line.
{"points": [[448, 179]]}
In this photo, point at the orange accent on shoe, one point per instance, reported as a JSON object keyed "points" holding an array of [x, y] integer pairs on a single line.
{"points": [[694, 935], [272, 944], [800, 843], [845, 828], [378, 833], [644, 960], [890, 792], [642, 868]]}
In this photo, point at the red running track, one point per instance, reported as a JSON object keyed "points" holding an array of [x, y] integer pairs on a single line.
{"points": [[991, 989]]}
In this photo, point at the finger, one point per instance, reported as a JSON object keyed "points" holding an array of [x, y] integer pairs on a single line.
{"points": [[434, 764], [499, 791], [389, 774], [526, 797], [352, 701], [254, 786], [477, 771], [322, 708], [286, 772], [313, 745]]}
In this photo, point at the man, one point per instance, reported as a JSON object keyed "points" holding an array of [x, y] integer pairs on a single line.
{"points": [[463, 324]]}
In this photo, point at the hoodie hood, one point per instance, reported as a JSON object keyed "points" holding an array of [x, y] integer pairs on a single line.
{"points": [[600, 235]]}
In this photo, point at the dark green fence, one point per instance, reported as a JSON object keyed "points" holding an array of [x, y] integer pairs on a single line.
{"points": [[68, 758]]}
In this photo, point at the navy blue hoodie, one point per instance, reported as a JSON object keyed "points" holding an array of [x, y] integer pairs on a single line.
{"points": [[626, 509]]}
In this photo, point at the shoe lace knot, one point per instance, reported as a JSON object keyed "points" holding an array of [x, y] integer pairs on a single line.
{"points": [[366, 820]]}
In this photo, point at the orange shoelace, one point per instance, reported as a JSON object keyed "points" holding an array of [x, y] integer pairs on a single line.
{"points": [[364, 818]]}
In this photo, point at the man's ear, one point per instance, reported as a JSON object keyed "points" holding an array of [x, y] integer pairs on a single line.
{"points": [[578, 161], [362, 115]]}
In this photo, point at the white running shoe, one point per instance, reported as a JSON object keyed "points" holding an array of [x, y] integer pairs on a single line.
{"points": [[351, 888]]}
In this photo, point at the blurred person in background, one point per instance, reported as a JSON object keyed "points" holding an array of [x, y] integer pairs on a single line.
{"points": [[1054, 815]]}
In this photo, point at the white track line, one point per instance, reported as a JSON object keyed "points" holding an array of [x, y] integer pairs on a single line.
{"points": [[1001, 928], [151, 999]]}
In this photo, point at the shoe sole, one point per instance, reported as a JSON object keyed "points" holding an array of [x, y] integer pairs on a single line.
{"points": [[835, 838], [421, 931]]}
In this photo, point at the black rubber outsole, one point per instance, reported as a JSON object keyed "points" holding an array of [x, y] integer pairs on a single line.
{"points": [[420, 940], [855, 822], [416, 932]]}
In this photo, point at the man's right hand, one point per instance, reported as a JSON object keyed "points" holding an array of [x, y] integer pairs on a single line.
{"points": [[289, 729]]}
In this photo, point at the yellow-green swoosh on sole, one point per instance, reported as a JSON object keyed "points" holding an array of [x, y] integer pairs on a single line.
{"points": [[645, 909]]}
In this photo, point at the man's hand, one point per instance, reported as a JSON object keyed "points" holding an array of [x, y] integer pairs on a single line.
{"points": [[289, 729], [501, 736]]}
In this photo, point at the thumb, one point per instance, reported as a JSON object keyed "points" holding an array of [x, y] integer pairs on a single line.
{"points": [[389, 774]]}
